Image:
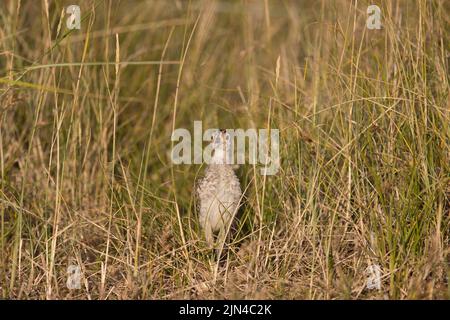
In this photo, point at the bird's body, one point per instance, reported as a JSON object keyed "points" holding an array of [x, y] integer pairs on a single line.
{"points": [[218, 193]]}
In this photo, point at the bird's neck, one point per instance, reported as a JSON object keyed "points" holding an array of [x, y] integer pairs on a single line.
{"points": [[220, 157]]}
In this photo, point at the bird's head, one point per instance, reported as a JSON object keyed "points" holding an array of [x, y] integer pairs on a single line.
{"points": [[221, 145]]}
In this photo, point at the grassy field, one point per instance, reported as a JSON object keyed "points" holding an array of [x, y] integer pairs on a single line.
{"points": [[86, 118]]}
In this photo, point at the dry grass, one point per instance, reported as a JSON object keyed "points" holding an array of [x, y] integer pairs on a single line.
{"points": [[86, 176]]}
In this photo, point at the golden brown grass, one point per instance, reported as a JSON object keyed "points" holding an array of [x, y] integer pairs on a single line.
{"points": [[86, 118]]}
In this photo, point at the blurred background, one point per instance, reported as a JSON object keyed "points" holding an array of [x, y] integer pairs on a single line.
{"points": [[86, 118]]}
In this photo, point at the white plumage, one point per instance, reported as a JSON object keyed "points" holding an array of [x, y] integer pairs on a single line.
{"points": [[218, 193]]}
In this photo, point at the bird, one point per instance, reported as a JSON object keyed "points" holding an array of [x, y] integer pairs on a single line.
{"points": [[218, 193]]}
